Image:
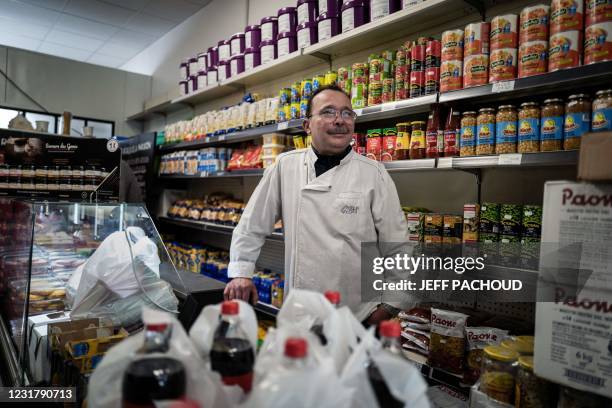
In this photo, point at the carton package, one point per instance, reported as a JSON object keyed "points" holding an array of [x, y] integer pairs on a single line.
{"points": [[38, 352], [594, 163], [573, 344]]}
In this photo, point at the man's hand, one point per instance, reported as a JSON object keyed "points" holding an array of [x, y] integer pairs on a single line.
{"points": [[377, 316], [240, 288]]}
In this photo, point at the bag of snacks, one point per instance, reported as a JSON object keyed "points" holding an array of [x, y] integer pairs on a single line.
{"points": [[477, 339], [447, 342], [416, 315], [416, 340]]}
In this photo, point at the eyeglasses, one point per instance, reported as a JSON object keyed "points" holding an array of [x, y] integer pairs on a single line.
{"points": [[331, 113]]}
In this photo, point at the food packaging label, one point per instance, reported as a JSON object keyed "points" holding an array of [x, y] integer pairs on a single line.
{"points": [[379, 9], [267, 32], [476, 39], [302, 13], [534, 23], [552, 128], [348, 20], [504, 32], [529, 130], [267, 54], [566, 15], [248, 61], [533, 58], [564, 50], [503, 64], [303, 38], [598, 43], [451, 75], [283, 47], [284, 23], [475, 70], [325, 30], [452, 45], [598, 11]]}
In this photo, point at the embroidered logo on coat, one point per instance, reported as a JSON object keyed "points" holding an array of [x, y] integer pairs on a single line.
{"points": [[349, 209]]}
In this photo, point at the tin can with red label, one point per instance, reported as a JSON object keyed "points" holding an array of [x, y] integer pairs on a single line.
{"points": [[566, 15], [432, 80], [476, 39], [502, 65], [598, 11], [598, 43], [564, 50], [417, 83], [532, 58], [504, 32], [451, 75], [452, 45], [475, 70], [534, 23], [374, 144], [389, 141], [417, 60], [432, 54], [359, 143]]}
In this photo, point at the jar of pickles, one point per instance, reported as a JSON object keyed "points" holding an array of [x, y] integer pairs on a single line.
{"points": [[531, 391], [529, 128], [468, 134], [577, 120], [485, 131], [498, 371], [506, 134], [551, 125]]}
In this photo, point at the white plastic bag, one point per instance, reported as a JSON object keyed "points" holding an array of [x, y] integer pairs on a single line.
{"points": [[203, 386], [402, 378]]}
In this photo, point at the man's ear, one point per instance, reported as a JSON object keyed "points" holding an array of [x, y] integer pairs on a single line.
{"points": [[306, 125]]}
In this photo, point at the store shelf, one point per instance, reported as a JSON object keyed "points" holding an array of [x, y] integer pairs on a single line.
{"points": [[553, 82], [432, 373], [210, 226], [234, 173], [541, 159], [160, 109], [204, 95], [293, 126], [266, 308], [424, 15], [396, 109], [408, 165]]}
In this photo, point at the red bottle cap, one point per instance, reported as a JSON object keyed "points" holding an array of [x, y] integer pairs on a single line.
{"points": [[390, 328], [230, 308], [296, 347], [333, 296], [157, 327]]}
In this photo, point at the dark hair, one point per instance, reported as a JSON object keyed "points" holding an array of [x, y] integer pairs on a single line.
{"points": [[318, 91]]}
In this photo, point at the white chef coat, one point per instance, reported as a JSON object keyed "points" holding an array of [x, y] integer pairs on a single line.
{"points": [[325, 220]]}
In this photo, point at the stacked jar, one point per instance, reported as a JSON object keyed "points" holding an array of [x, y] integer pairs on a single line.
{"points": [[476, 54], [273, 145], [252, 41], [504, 48], [451, 70], [506, 134], [354, 13], [380, 72], [184, 77], [533, 37], [359, 85], [566, 25], [307, 33], [597, 41], [269, 34], [402, 73], [287, 31], [382, 8]]}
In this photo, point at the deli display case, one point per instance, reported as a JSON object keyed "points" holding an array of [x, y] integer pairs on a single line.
{"points": [[62, 262]]}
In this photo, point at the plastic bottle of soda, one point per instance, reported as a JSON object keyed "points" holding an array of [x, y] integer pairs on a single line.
{"points": [[389, 333], [317, 328], [333, 296], [296, 352], [151, 379], [232, 355], [156, 338]]}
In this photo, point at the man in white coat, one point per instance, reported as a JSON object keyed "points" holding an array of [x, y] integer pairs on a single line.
{"points": [[330, 199]]}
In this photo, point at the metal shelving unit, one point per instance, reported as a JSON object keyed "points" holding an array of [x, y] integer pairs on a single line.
{"points": [[267, 309], [540, 159], [235, 173], [210, 226], [396, 109]]}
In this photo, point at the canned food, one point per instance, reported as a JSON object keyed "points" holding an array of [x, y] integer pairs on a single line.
{"points": [[577, 120], [417, 83], [374, 144], [284, 113], [375, 89], [505, 130], [417, 61], [317, 82], [389, 141], [432, 80], [564, 50], [502, 64], [388, 88], [376, 69], [598, 11], [566, 15], [598, 43], [475, 70], [303, 109], [602, 111], [529, 128], [296, 92], [331, 77], [533, 58], [433, 51], [284, 97], [452, 45], [534, 23], [451, 75], [343, 74], [504, 32], [359, 87], [485, 131], [467, 142], [402, 143], [551, 130], [295, 111], [476, 39], [359, 143], [306, 89]]}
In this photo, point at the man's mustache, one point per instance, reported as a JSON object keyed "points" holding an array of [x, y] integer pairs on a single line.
{"points": [[338, 130]]}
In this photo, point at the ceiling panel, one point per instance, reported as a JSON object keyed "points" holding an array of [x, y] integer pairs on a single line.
{"points": [[131, 4], [31, 30], [99, 11], [85, 27], [73, 40], [56, 5], [106, 61], [132, 38], [176, 10], [64, 51], [28, 13], [119, 50], [148, 24], [20, 41]]}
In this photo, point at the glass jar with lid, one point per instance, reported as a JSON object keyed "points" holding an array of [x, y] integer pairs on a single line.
{"points": [[506, 129], [601, 119], [531, 390], [529, 128], [467, 142], [551, 125], [485, 131], [417, 140], [577, 120], [521, 344], [497, 379]]}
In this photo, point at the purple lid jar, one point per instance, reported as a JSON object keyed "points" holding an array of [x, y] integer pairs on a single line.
{"points": [[307, 34], [269, 28], [193, 83], [224, 50], [252, 37], [354, 14], [202, 79], [237, 64], [212, 76], [223, 71], [193, 66], [183, 87], [252, 58], [237, 44], [184, 70], [307, 11], [286, 44], [202, 61], [327, 26], [382, 8], [287, 20], [213, 57], [331, 7], [267, 50]]}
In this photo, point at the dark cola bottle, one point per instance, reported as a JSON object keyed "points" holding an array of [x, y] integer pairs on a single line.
{"points": [[151, 379], [317, 328], [389, 337], [232, 355]]}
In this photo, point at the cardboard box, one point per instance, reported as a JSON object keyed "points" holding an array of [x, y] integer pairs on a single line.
{"points": [[63, 332], [39, 353], [88, 352], [573, 346], [595, 160]]}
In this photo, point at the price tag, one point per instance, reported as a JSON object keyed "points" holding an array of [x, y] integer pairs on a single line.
{"points": [[359, 111], [503, 86], [388, 107], [203, 174], [282, 126], [445, 162], [513, 159], [221, 138]]}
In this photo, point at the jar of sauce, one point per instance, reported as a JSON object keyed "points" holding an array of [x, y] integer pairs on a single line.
{"points": [[551, 130], [577, 120], [431, 135], [402, 144], [452, 130], [417, 140]]}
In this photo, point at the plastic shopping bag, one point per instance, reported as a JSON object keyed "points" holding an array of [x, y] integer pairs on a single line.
{"points": [[203, 386]]}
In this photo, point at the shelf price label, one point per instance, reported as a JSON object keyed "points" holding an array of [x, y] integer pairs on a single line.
{"points": [[387, 107], [221, 138], [512, 159], [359, 111], [282, 126], [445, 162], [503, 86]]}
